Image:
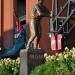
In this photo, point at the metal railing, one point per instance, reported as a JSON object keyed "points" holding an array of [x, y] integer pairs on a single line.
{"points": [[54, 21]]}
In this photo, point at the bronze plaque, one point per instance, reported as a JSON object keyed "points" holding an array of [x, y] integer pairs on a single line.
{"points": [[35, 58]]}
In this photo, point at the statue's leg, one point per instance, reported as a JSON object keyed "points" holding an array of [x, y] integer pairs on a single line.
{"points": [[35, 42], [37, 38], [33, 34], [38, 34]]}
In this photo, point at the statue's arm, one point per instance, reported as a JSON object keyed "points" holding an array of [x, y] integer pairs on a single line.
{"points": [[38, 10], [45, 13]]}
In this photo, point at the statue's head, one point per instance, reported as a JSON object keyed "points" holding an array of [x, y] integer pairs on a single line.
{"points": [[40, 1]]}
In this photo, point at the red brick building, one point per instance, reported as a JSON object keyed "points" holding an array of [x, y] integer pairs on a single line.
{"points": [[6, 22], [7, 8]]}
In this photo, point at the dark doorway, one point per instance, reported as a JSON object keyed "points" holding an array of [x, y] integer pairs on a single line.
{"points": [[20, 8]]}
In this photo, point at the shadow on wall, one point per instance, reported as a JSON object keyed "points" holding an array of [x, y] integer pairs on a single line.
{"points": [[12, 36], [13, 43]]}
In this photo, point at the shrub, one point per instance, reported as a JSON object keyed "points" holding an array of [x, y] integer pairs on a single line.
{"points": [[9, 66], [58, 64]]}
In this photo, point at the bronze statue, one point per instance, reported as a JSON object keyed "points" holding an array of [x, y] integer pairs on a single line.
{"points": [[38, 11]]}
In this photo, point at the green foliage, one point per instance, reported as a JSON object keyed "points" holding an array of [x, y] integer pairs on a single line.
{"points": [[59, 64], [9, 66]]}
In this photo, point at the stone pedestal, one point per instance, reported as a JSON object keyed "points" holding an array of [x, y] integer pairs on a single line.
{"points": [[30, 59]]}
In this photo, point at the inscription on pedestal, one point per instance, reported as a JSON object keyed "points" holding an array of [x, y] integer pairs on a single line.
{"points": [[35, 58]]}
